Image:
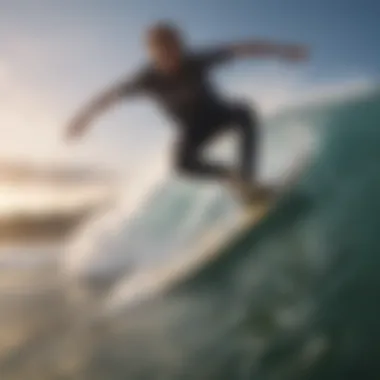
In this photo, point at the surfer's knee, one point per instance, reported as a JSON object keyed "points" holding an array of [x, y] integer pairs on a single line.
{"points": [[245, 116], [185, 163]]}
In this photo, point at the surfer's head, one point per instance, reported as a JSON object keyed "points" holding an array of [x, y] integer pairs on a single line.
{"points": [[165, 46]]}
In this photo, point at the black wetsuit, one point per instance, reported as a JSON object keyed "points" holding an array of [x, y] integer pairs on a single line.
{"points": [[190, 100]]}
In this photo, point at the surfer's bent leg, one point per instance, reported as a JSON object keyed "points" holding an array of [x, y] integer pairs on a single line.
{"points": [[188, 156], [245, 122]]}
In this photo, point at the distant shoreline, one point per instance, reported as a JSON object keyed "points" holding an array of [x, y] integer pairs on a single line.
{"points": [[34, 229]]}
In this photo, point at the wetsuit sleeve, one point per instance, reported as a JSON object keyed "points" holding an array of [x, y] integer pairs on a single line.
{"points": [[212, 57], [134, 86]]}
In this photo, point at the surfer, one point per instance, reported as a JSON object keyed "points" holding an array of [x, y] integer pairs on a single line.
{"points": [[178, 79]]}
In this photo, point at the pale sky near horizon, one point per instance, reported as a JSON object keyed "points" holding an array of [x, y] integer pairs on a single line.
{"points": [[55, 54]]}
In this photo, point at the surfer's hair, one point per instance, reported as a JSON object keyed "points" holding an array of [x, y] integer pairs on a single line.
{"points": [[164, 31]]}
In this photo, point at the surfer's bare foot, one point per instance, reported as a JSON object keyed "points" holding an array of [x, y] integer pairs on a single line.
{"points": [[262, 192], [247, 191]]}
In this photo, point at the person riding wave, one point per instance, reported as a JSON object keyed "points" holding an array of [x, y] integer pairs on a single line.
{"points": [[178, 79]]}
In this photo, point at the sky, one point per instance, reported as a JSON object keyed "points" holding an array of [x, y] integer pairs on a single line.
{"points": [[56, 54]]}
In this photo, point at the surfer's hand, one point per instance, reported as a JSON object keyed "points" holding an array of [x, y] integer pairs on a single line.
{"points": [[75, 129], [295, 53]]}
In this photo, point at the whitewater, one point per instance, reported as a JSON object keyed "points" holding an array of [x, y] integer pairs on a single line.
{"points": [[295, 297]]}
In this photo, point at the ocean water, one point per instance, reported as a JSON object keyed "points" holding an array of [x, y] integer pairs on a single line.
{"points": [[295, 297]]}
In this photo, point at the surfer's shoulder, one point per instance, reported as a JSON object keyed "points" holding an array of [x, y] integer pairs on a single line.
{"points": [[145, 72], [141, 78]]}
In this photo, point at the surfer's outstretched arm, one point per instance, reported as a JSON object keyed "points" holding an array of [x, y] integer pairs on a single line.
{"points": [[101, 103], [82, 120], [254, 49], [266, 49]]}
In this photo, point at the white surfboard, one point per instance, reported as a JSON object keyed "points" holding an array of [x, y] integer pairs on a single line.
{"points": [[206, 250]]}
